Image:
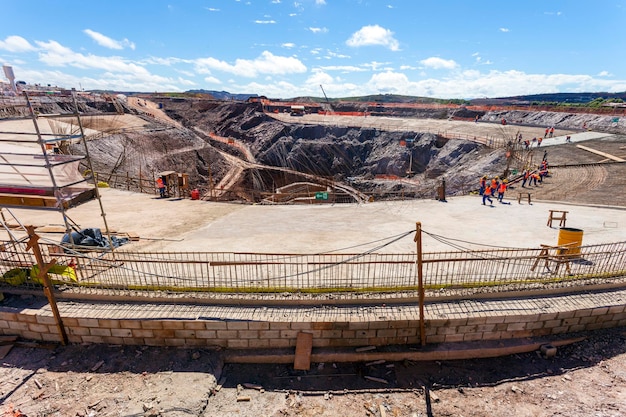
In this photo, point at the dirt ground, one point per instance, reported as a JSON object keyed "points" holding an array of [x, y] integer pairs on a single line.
{"points": [[583, 379]]}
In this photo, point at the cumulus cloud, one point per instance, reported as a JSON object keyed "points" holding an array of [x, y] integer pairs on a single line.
{"points": [[107, 42], [373, 35], [438, 63], [267, 63], [318, 30], [472, 84], [54, 54], [16, 44], [288, 45]]}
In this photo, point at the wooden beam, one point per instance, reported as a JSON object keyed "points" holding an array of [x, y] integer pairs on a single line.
{"points": [[604, 154]]}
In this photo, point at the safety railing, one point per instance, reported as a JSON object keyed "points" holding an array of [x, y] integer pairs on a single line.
{"points": [[457, 272]]}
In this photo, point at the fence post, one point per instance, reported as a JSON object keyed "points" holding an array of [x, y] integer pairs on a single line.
{"points": [[33, 244], [420, 280]]}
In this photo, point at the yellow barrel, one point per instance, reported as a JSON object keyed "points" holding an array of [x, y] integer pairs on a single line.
{"points": [[572, 238]]}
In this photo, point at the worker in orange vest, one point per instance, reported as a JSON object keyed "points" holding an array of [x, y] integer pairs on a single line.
{"points": [[534, 177], [495, 183], [487, 196], [161, 186], [526, 176], [501, 190], [483, 185]]}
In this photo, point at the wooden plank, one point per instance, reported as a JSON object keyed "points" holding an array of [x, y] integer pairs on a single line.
{"points": [[304, 347], [50, 229], [4, 350], [604, 154], [6, 340]]}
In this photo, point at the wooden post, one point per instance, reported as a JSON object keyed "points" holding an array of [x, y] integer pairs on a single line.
{"points": [[420, 280], [33, 244]]}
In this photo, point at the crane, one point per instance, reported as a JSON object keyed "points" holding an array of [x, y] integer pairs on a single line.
{"points": [[327, 101]]}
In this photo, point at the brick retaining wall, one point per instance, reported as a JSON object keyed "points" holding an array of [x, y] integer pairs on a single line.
{"points": [[241, 334]]}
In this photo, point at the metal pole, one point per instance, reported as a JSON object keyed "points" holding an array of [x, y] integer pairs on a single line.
{"points": [[33, 244], [420, 280], [90, 167]]}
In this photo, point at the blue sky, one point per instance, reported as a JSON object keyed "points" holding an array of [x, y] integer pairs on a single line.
{"points": [[283, 49]]}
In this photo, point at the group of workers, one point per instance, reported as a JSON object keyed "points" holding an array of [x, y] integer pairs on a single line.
{"points": [[496, 188], [537, 176], [490, 188]]}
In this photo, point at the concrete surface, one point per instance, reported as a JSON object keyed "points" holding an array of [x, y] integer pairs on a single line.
{"points": [[192, 225]]}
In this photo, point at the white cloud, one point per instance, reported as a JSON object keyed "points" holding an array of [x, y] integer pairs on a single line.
{"points": [[504, 30], [107, 42], [604, 74], [375, 66], [16, 44], [336, 55], [212, 80], [438, 63], [343, 68], [320, 2], [373, 35], [472, 83], [212, 9], [407, 67], [318, 30], [288, 45], [265, 22], [267, 63]]}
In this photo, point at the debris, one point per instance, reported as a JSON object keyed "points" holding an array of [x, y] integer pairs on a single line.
{"points": [[383, 413], [94, 404], [39, 384], [433, 397], [195, 356], [378, 362], [365, 348], [548, 351], [517, 389], [253, 386], [97, 366], [375, 379], [243, 398]]}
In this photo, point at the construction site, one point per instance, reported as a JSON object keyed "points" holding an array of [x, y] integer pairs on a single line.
{"points": [[309, 259]]}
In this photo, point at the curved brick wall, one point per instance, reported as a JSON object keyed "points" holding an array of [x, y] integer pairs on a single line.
{"points": [[254, 327]]}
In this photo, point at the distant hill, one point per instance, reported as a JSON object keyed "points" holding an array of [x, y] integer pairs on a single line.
{"points": [[574, 98], [223, 95]]}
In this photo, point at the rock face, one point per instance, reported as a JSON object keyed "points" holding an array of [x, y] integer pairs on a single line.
{"points": [[386, 164]]}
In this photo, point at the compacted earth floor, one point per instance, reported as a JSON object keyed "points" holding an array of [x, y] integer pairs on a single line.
{"points": [[584, 379]]}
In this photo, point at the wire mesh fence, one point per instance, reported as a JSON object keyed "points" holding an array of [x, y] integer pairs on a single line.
{"points": [[464, 272]]}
